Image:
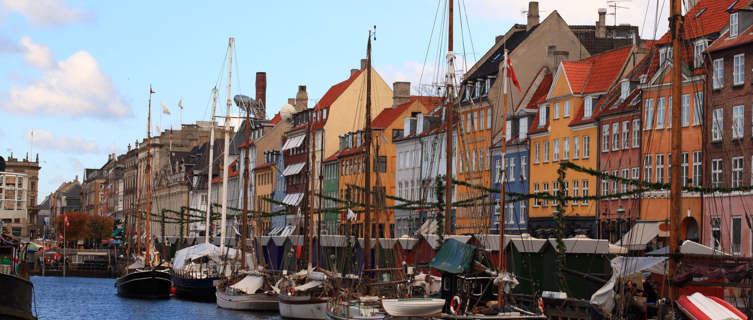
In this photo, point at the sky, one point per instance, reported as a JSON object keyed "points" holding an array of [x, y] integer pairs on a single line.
{"points": [[75, 74]]}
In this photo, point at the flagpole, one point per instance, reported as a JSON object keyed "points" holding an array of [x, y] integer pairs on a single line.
{"points": [[502, 220], [65, 229]]}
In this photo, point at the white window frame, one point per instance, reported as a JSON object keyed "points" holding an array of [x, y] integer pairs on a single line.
{"points": [[536, 201], [649, 116], [588, 107], [717, 124], [546, 151], [523, 168], [718, 73], [624, 186], [624, 89], [661, 115], [556, 150], [698, 49], [684, 168], [733, 24], [565, 148], [736, 177], [605, 138], [556, 111], [716, 173], [659, 168], [576, 147], [698, 108], [542, 115], [536, 152], [508, 130], [738, 69], [615, 136], [545, 189], [586, 147], [566, 109], [575, 191], [585, 192], [685, 110], [636, 133], [648, 171], [738, 114], [697, 168], [605, 185], [511, 174], [626, 134]]}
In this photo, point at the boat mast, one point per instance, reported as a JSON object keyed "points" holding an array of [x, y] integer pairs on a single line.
{"points": [[244, 219], [676, 143], [502, 252], [226, 154], [367, 162], [211, 166], [309, 195], [450, 118], [147, 258]]}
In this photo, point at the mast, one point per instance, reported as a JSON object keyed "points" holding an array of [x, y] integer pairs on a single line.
{"points": [[502, 253], [450, 118], [244, 219], [367, 161], [676, 143], [226, 154], [211, 165], [147, 260], [309, 195]]}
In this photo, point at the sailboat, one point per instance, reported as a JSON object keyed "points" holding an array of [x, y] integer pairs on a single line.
{"points": [[17, 294], [146, 281]]}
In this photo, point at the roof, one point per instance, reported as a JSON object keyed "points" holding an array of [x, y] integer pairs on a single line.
{"points": [[490, 66], [724, 42], [617, 37], [596, 73], [534, 126], [335, 91], [705, 18], [389, 115], [541, 90], [276, 119]]}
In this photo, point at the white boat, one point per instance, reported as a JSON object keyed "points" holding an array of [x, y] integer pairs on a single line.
{"points": [[413, 307], [251, 302], [302, 307]]}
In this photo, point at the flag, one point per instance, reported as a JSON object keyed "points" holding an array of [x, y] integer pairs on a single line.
{"points": [[171, 133], [67, 223], [151, 90], [165, 110], [511, 74], [180, 104]]}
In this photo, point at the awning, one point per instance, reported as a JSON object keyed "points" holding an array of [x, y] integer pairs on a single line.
{"points": [[640, 235], [293, 199], [454, 257], [293, 169], [293, 142]]}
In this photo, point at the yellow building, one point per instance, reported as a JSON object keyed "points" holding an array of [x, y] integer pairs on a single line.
{"points": [[566, 129]]}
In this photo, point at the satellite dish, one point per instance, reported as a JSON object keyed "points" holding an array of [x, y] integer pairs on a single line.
{"points": [[2, 164], [244, 102]]}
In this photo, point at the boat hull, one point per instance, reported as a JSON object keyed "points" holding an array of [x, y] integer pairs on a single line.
{"points": [[413, 307], [194, 289], [250, 302], [151, 284], [302, 307], [15, 297]]}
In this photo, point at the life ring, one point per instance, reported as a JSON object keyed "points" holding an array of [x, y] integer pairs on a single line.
{"points": [[455, 305], [291, 291]]}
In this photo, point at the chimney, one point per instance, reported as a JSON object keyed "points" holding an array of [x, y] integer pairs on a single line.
{"points": [[301, 98], [400, 93], [261, 93], [364, 62], [559, 56], [353, 71], [291, 101], [533, 14], [601, 25]]}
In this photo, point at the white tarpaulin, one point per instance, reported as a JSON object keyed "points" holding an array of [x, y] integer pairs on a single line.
{"points": [[623, 267], [640, 235], [308, 285], [249, 284], [186, 255]]}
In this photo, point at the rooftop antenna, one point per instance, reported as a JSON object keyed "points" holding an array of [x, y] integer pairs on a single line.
{"points": [[614, 5]]}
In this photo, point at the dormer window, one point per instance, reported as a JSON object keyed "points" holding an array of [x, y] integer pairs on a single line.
{"points": [[324, 114], [477, 90], [588, 108], [700, 47], [624, 89], [733, 25], [665, 55], [487, 86], [467, 93], [643, 78]]}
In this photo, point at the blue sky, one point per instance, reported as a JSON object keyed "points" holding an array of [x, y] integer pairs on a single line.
{"points": [[77, 72]]}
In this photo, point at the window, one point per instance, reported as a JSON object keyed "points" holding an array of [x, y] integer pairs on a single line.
{"points": [[468, 120], [536, 152], [624, 89], [556, 150], [576, 147], [625, 134], [565, 190], [511, 173], [649, 121], [700, 47], [586, 147], [735, 235], [624, 186], [556, 112], [733, 26], [738, 70], [508, 130], [737, 122], [698, 108], [659, 168], [523, 130], [718, 76], [523, 168], [545, 189], [475, 120], [585, 192], [716, 124], [684, 168], [669, 113], [615, 136], [489, 121], [546, 151], [575, 191], [647, 169], [566, 148], [634, 172], [660, 115], [523, 213], [567, 109], [697, 171], [555, 192], [716, 232], [536, 201], [605, 138], [473, 160], [685, 110], [614, 183], [605, 185], [636, 132], [669, 168], [542, 116], [716, 173], [587, 108], [737, 172], [498, 171]]}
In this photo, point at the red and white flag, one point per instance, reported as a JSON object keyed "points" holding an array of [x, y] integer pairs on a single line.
{"points": [[67, 223], [511, 73]]}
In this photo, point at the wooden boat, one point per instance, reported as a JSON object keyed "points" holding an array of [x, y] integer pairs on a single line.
{"points": [[195, 288], [145, 284], [413, 307], [354, 310], [252, 302], [15, 297], [302, 307], [699, 306]]}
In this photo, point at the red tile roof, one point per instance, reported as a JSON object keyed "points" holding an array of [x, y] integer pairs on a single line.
{"points": [[539, 95], [389, 115], [534, 126], [230, 174], [335, 91], [276, 119], [724, 42], [713, 18], [596, 73]]}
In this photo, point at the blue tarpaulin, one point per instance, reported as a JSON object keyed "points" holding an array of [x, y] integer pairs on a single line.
{"points": [[454, 257]]}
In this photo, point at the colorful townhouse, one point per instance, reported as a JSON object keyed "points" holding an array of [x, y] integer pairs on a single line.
{"points": [[703, 22], [566, 129], [727, 135], [295, 152]]}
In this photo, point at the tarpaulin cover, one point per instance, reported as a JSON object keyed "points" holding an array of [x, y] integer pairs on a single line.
{"points": [[249, 284], [623, 267], [454, 257]]}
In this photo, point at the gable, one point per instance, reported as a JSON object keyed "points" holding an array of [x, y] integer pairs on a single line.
{"points": [[560, 84]]}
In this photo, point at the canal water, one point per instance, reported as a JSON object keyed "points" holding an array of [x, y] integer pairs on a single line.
{"points": [[93, 298]]}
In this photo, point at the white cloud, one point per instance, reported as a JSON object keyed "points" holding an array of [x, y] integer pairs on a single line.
{"points": [[46, 12], [424, 79], [44, 139], [36, 54], [114, 148], [638, 13], [72, 87]]}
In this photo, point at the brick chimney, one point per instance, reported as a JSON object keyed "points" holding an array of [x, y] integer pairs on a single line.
{"points": [[353, 71], [301, 98], [533, 15], [400, 93], [601, 25], [261, 93], [291, 101], [364, 62]]}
